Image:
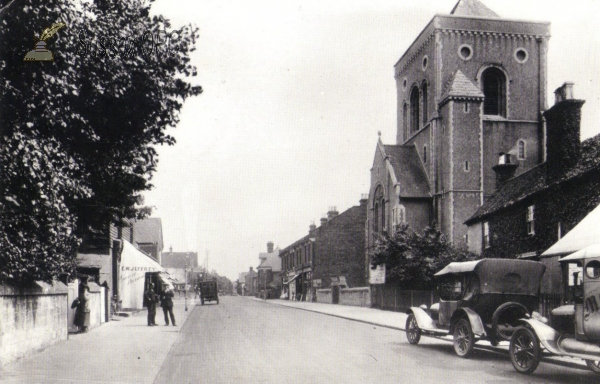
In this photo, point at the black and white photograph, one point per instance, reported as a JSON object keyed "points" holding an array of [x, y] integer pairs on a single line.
{"points": [[302, 191]]}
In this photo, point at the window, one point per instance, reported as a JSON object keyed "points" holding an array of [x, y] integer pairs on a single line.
{"points": [[531, 220], [383, 227], [465, 52], [424, 103], [376, 218], [398, 216], [414, 109], [405, 120], [467, 239], [521, 148], [466, 107], [425, 154], [486, 234], [559, 231], [466, 166], [494, 84]]}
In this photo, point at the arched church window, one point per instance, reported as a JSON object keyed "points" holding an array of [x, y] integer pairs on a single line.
{"points": [[379, 210], [414, 109], [405, 121], [494, 90], [425, 103]]}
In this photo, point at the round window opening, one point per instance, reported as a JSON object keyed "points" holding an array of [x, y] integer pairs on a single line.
{"points": [[425, 62], [521, 55], [592, 269], [465, 51]]}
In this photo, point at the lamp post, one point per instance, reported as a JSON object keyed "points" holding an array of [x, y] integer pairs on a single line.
{"points": [[186, 281]]}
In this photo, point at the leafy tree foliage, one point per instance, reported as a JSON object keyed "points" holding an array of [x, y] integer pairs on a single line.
{"points": [[411, 259], [79, 133]]}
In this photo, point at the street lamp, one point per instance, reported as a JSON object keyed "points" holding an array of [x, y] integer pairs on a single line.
{"points": [[187, 256]]}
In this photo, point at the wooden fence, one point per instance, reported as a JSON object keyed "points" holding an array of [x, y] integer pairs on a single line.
{"points": [[392, 298]]}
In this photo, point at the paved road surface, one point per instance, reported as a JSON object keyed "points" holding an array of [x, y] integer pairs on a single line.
{"points": [[247, 341]]}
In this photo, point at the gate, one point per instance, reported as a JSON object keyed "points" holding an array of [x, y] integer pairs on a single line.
{"points": [[335, 294]]}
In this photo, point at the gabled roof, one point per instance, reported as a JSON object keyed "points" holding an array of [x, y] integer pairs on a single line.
{"points": [[460, 87], [409, 170], [533, 181], [271, 260], [472, 8], [179, 260], [148, 230]]}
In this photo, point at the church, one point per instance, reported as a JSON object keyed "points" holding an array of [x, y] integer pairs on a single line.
{"points": [[470, 87]]}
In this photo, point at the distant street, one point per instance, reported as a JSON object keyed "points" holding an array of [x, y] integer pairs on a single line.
{"points": [[242, 340]]}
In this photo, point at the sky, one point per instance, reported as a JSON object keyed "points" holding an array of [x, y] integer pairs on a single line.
{"points": [[295, 93]]}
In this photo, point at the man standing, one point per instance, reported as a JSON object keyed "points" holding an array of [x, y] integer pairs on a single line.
{"points": [[166, 302], [151, 300]]}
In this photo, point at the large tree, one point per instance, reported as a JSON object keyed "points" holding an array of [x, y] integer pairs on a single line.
{"points": [[79, 133], [411, 259]]}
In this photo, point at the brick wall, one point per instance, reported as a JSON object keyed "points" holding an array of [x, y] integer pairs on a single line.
{"points": [[357, 297], [31, 319], [340, 247], [324, 296]]}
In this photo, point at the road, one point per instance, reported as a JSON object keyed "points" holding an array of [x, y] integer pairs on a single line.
{"points": [[242, 340]]}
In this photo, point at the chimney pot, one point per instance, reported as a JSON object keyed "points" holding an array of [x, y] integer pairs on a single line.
{"points": [[332, 213], [564, 92], [270, 247], [323, 220]]}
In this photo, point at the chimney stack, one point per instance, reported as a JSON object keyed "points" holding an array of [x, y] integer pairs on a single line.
{"points": [[332, 213], [311, 229], [270, 247], [323, 220], [505, 169], [563, 131], [364, 199]]}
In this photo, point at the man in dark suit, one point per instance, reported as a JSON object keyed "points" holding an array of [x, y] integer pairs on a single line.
{"points": [[151, 300], [166, 302]]}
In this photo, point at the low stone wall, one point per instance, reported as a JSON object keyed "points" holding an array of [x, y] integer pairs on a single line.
{"points": [[324, 296], [31, 319], [358, 297]]}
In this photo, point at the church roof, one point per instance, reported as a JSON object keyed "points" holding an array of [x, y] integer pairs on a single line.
{"points": [[535, 180], [409, 170], [472, 8], [460, 87]]}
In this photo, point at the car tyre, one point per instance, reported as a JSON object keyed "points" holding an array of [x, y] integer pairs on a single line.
{"points": [[594, 365], [525, 352], [464, 340], [413, 333]]}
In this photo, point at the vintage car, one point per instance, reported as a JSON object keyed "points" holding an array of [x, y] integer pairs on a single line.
{"points": [[479, 300], [575, 329]]}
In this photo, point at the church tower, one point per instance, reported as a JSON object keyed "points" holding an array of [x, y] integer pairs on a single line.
{"points": [[471, 86]]}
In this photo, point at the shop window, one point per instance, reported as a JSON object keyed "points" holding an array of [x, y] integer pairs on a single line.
{"points": [[494, 91], [531, 220]]}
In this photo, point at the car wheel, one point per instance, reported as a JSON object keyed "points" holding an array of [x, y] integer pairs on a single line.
{"points": [[594, 365], [525, 352], [413, 333], [464, 340]]}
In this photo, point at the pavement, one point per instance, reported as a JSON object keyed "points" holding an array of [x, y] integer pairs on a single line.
{"points": [[124, 350], [397, 320]]}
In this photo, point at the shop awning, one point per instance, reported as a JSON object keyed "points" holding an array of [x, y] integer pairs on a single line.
{"points": [[586, 233], [134, 266], [292, 279]]}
